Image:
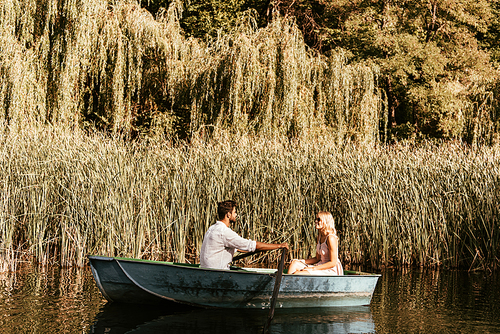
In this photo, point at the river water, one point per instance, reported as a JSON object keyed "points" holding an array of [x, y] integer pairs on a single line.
{"points": [[41, 300]]}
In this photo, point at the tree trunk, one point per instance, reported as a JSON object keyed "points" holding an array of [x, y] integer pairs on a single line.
{"points": [[392, 102]]}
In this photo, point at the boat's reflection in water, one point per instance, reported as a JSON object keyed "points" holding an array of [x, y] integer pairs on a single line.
{"points": [[120, 318]]}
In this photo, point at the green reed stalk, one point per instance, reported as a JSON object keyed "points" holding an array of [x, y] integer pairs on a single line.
{"points": [[66, 194]]}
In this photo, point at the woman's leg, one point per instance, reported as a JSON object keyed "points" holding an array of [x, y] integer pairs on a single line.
{"points": [[296, 265]]}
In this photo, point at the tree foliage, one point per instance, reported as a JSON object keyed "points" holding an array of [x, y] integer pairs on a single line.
{"points": [[207, 18], [437, 57], [434, 68], [121, 69]]}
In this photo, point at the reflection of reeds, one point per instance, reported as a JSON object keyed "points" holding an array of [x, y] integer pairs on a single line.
{"points": [[65, 195], [48, 299]]}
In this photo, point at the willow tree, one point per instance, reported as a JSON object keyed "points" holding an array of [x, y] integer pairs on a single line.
{"points": [[268, 82], [84, 63]]}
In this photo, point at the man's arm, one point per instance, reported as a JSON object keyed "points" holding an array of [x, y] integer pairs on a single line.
{"points": [[265, 247]]}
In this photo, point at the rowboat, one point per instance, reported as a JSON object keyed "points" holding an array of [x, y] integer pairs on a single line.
{"points": [[143, 281]]}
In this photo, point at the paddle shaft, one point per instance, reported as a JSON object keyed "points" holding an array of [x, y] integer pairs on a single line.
{"points": [[277, 284], [244, 255]]}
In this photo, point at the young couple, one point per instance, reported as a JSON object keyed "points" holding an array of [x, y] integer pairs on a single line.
{"points": [[220, 243]]}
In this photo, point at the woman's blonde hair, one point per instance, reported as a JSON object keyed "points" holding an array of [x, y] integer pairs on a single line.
{"points": [[328, 221]]}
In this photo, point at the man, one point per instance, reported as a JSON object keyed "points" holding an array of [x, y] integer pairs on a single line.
{"points": [[220, 241]]}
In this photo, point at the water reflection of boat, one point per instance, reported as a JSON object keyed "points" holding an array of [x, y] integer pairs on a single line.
{"points": [[141, 281], [330, 320], [122, 318]]}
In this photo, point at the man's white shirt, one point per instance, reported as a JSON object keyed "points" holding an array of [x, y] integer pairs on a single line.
{"points": [[219, 245]]}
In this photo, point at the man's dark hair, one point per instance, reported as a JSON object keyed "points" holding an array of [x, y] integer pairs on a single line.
{"points": [[224, 207]]}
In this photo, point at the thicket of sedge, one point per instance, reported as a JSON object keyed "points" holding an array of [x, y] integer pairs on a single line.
{"points": [[66, 193]]}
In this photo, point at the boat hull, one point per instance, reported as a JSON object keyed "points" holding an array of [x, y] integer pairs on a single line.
{"points": [[140, 281]]}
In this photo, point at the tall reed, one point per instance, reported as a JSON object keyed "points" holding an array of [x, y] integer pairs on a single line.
{"points": [[65, 194]]}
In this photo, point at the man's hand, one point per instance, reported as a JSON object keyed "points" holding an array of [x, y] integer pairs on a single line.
{"points": [[284, 245]]}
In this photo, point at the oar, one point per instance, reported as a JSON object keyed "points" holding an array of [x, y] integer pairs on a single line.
{"points": [[244, 255], [277, 284]]}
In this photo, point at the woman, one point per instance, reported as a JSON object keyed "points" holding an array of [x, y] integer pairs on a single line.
{"points": [[327, 260]]}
